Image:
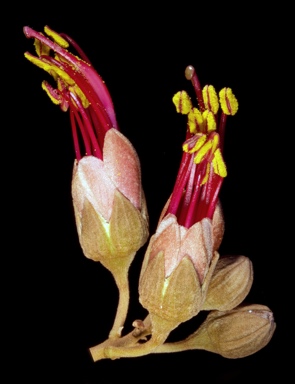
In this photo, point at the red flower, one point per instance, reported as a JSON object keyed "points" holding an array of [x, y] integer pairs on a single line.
{"points": [[182, 254], [106, 186]]}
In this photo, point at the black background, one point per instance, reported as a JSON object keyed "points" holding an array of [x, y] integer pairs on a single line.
{"points": [[58, 302]]}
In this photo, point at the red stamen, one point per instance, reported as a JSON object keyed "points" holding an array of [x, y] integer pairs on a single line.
{"points": [[86, 126], [221, 130], [79, 50], [84, 134], [75, 134], [214, 198], [183, 174]]}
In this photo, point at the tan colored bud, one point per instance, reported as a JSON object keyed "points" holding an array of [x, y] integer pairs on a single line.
{"points": [[230, 284], [176, 271], [234, 334], [109, 203]]}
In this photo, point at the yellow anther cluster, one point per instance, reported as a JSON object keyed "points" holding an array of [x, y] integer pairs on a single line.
{"points": [[204, 142], [198, 121], [195, 120], [209, 118], [41, 49], [202, 147], [182, 102], [53, 70], [218, 164], [56, 37], [210, 98], [54, 97], [198, 144], [229, 103], [61, 77], [203, 152], [206, 177]]}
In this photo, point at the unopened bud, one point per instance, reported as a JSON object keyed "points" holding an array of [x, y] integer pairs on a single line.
{"points": [[177, 269], [230, 284], [109, 203], [234, 334]]}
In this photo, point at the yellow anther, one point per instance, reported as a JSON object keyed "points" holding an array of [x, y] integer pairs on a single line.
{"points": [[199, 143], [229, 103], [38, 62], [77, 91], [206, 177], [54, 97], [203, 151], [210, 98], [218, 164], [182, 102], [53, 70], [41, 49], [215, 142], [209, 117], [56, 37], [62, 78], [195, 120]]}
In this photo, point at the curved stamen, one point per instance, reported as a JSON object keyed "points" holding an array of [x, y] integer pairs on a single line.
{"points": [[86, 126], [92, 97], [75, 133], [79, 50], [183, 174]]}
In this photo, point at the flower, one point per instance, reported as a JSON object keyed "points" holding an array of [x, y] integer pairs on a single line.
{"points": [[182, 254], [234, 334], [108, 199], [230, 283]]}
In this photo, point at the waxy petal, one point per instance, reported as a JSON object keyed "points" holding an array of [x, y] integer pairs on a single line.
{"points": [[197, 245], [128, 230], [168, 242], [122, 165], [91, 181]]}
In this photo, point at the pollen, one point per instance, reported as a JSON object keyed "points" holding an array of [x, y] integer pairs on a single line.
{"points": [[210, 120], [191, 148], [195, 120], [229, 103], [56, 37], [206, 177], [38, 62], [52, 93], [202, 152], [41, 49], [76, 90], [182, 102], [218, 164], [210, 98]]}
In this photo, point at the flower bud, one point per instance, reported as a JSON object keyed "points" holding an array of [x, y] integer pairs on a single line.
{"points": [[236, 333], [176, 271], [230, 283], [109, 203]]}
